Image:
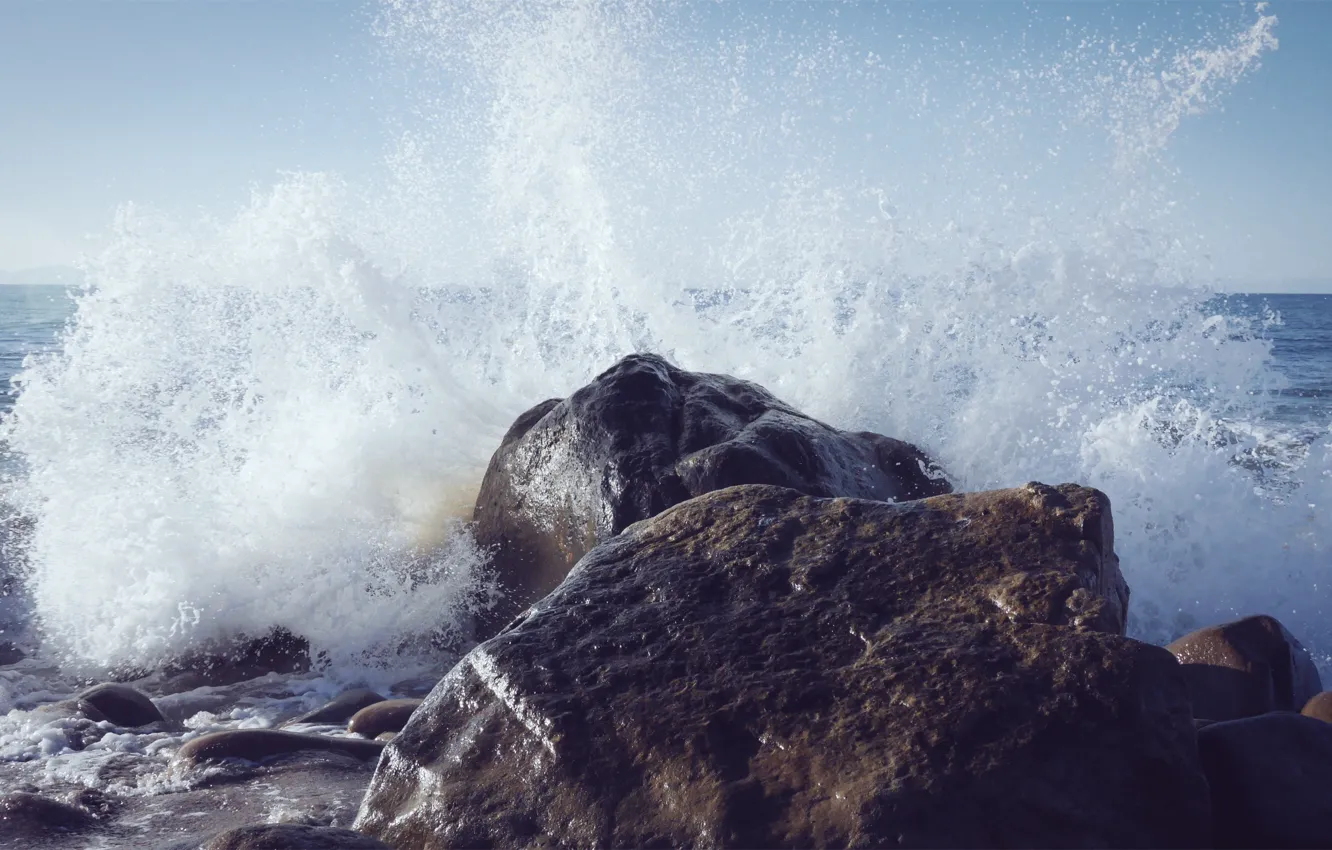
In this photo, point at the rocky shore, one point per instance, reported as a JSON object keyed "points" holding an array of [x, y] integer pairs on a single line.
{"points": [[726, 624]]}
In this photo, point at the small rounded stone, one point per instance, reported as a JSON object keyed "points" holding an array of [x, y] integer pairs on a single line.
{"points": [[119, 704], [387, 716]]}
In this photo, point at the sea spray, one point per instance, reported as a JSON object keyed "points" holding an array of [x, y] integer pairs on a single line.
{"points": [[261, 447], [260, 421]]}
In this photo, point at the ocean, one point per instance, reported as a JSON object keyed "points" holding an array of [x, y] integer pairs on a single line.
{"points": [[1300, 355], [280, 417]]}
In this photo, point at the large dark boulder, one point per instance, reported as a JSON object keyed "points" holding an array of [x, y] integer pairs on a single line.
{"points": [[1271, 780], [644, 436], [758, 668], [1246, 668]]}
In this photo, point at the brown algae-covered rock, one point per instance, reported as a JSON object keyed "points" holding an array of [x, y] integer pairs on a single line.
{"points": [[760, 668], [644, 436]]}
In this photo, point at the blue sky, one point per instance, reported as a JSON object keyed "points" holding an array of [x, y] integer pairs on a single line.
{"points": [[186, 105], [182, 105]]}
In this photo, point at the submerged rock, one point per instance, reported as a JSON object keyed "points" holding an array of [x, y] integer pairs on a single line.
{"points": [[645, 436], [292, 837], [259, 744], [758, 668], [1271, 780], [120, 704], [341, 708], [1246, 668], [388, 716]]}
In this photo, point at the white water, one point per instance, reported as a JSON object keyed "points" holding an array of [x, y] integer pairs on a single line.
{"points": [[271, 419]]}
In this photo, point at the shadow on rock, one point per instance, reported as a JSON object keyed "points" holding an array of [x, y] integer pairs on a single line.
{"points": [[1270, 780]]}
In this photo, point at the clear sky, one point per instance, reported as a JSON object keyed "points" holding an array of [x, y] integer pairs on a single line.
{"points": [[186, 105]]}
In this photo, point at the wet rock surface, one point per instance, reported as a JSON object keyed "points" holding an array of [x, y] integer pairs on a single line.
{"points": [[388, 716], [760, 668], [1246, 668], [292, 837], [1271, 780], [644, 436], [340, 709], [120, 704], [259, 744]]}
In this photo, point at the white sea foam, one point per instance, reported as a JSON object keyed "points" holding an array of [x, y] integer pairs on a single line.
{"points": [[271, 419]]}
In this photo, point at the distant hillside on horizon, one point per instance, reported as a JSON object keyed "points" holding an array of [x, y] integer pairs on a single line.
{"points": [[45, 276]]}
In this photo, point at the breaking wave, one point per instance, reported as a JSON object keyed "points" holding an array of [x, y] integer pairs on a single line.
{"points": [[281, 418]]}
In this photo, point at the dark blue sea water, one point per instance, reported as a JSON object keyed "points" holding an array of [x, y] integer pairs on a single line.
{"points": [[31, 318], [1302, 349]]}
